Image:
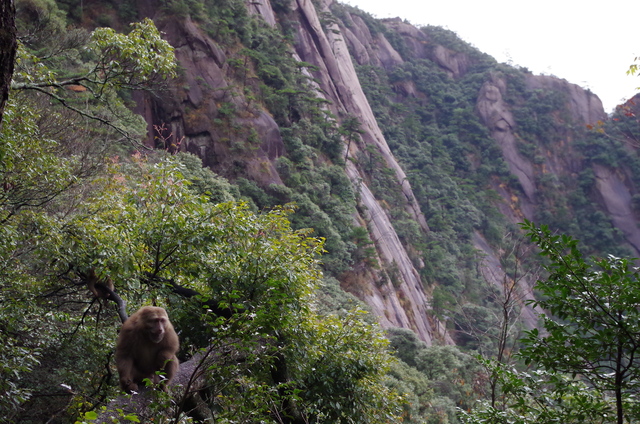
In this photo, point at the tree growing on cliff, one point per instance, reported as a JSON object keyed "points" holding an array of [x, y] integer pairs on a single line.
{"points": [[350, 129]]}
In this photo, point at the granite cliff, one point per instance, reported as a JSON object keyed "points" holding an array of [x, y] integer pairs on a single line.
{"points": [[498, 145]]}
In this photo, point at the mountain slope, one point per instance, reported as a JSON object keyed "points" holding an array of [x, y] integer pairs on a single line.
{"points": [[449, 150]]}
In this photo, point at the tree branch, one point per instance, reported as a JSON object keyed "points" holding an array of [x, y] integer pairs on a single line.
{"points": [[114, 297], [8, 49], [42, 89]]}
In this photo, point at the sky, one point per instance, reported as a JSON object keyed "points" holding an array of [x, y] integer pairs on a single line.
{"points": [[590, 43]]}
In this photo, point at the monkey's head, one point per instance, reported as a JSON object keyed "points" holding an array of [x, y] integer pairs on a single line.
{"points": [[155, 321]]}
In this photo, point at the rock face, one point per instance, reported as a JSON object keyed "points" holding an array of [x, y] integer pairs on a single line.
{"points": [[406, 304], [584, 106], [193, 113], [613, 186], [616, 195], [196, 117], [499, 120]]}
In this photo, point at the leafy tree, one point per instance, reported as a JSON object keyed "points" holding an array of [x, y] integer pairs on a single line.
{"points": [[595, 329], [633, 68], [340, 373], [141, 224], [350, 129], [32, 172], [419, 393], [206, 182], [84, 72], [406, 344], [586, 364], [540, 397]]}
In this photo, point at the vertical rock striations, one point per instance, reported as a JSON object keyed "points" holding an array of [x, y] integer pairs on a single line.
{"points": [[404, 304]]}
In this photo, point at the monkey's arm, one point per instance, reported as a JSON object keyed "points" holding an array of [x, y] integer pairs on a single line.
{"points": [[125, 371], [168, 364], [171, 366]]}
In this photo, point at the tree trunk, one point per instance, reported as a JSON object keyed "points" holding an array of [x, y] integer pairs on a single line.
{"points": [[8, 47], [619, 381]]}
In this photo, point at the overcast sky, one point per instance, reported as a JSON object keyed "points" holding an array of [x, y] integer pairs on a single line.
{"points": [[587, 42]]}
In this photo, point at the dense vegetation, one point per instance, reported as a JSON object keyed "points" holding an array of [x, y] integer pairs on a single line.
{"points": [[80, 193]]}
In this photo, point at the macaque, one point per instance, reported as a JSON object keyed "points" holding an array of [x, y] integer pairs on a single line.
{"points": [[147, 343], [95, 284]]}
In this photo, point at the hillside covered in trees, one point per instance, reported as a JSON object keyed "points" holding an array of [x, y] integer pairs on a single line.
{"points": [[341, 215]]}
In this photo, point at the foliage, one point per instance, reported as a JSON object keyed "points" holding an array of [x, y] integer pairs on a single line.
{"points": [[16, 361], [84, 72], [595, 330], [39, 20], [418, 394], [541, 397], [206, 182], [451, 378], [340, 374], [131, 60], [332, 299], [450, 40], [224, 20], [141, 225], [31, 171], [350, 129], [454, 375], [633, 68], [405, 344], [586, 357], [535, 117]]}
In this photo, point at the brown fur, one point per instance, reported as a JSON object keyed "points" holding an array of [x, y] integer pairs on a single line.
{"points": [[147, 343], [93, 283]]}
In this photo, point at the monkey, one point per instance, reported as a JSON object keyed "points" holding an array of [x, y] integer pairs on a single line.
{"points": [[147, 343], [96, 285]]}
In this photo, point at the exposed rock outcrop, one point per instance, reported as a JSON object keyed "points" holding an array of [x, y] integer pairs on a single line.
{"points": [[584, 106], [498, 118], [194, 119], [616, 197], [404, 305], [191, 113]]}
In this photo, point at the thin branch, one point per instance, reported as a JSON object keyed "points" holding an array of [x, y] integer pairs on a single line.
{"points": [[41, 88]]}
